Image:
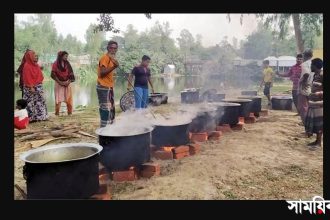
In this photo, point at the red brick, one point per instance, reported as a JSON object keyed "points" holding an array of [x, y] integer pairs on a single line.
{"points": [[148, 174], [103, 196], [224, 128], [163, 155], [128, 175], [264, 112], [181, 149], [150, 167], [181, 155], [194, 147], [199, 137], [250, 119], [237, 127]]}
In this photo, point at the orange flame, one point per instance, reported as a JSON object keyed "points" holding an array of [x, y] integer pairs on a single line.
{"points": [[167, 148]]}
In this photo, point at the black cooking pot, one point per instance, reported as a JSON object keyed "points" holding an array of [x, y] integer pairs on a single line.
{"points": [[158, 98], [244, 108], [64, 171], [255, 104], [205, 121], [250, 92], [281, 102], [208, 95], [170, 135], [218, 97], [228, 113], [121, 152], [190, 96]]}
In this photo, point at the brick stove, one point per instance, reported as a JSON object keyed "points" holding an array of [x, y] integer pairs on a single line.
{"points": [[174, 152]]}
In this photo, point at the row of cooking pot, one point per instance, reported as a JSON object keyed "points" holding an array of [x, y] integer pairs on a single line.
{"points": [[71, 170]]}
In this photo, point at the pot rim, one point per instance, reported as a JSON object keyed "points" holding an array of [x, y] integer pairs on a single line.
{"points": [[281, 97], [181, 123], [24, 155], [226, 104], [250, 97], [236, 100], [98, 132]]}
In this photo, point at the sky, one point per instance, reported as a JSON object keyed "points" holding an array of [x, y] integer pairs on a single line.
{"points": [[212, 27]]}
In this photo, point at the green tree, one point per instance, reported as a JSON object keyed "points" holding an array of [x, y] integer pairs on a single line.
{"points": [[310, 23], [94, 42]]}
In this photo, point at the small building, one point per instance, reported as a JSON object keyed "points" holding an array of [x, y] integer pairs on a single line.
{"points": [[169, 69]]}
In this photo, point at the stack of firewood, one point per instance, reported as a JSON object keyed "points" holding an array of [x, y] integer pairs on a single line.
{"points": [[32, 138]]}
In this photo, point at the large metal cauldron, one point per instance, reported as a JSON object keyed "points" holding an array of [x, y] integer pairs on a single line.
{"points": [[205, 121], [64, 171], [228, 113], [244, 108], [255, 104], [122, 152], [281, 102], [218, 97], [190, 96], [250, 92], [171, 134]]}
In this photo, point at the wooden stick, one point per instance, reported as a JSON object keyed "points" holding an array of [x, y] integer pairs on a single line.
{"points": [[86, 134], [21, 191]]}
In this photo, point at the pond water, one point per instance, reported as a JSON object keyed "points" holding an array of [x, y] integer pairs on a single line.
{"points": [[84, 92]]}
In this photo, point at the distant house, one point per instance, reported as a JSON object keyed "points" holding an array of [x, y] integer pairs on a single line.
{"points": [[169, 69], [283, 62]]}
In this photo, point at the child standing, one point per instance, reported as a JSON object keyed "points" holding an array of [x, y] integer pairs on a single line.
{"points": [[267, 79], [21, 117]]}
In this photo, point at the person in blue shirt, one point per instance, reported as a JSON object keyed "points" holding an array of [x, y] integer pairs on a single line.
{"points": [[142, 77]]}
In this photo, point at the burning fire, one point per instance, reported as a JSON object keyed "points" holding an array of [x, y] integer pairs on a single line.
{"points": [[167, 148]]}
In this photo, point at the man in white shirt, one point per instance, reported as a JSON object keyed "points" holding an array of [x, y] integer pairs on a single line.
{"points": [[305, 83]]}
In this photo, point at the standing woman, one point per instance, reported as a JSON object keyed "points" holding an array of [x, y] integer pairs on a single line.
{"points": [[32, 88], [20, 72], [63, 75]]}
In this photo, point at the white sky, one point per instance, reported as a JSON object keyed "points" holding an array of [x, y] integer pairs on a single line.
{"points": [[212, 27]]}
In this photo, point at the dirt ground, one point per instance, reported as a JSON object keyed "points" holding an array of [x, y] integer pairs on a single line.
{"points": [[266, 160]]}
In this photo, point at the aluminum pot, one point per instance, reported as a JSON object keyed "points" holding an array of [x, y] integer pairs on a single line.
{"points": [[63, 171]]}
